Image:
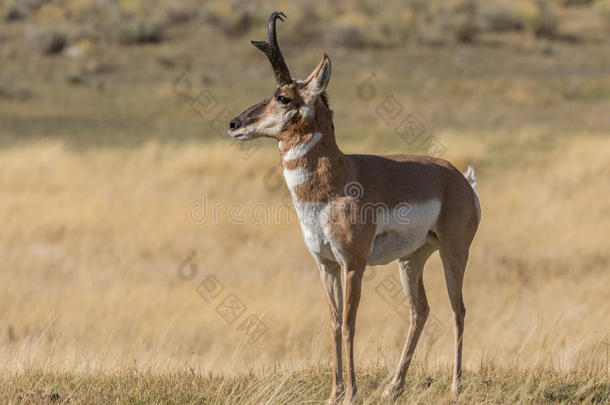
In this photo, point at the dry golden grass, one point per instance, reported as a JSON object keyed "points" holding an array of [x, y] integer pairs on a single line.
{"points": [[101, 160], [301, 386], [92, 240]]}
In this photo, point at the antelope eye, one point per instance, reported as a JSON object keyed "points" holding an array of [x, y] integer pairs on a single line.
{"points": [[283, 100]]}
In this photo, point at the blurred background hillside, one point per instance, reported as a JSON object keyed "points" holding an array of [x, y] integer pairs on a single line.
{"points": [[92, 71], [113, 117]]}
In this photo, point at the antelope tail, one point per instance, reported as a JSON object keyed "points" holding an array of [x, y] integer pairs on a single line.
{"points": [[469, 174]]}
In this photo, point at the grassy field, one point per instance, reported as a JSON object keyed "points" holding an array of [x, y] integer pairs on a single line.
{"points": [[117, 195], [303, 386]]}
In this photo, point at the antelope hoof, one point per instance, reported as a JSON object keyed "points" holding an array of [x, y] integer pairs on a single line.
{"points": [[335, 395], [350, 399], [392, 392], [332, 400], [456, 388]]}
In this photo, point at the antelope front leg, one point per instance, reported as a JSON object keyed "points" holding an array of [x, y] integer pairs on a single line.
{"points": [[330, 272], [353, 285]]}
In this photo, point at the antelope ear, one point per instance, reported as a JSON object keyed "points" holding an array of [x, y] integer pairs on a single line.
{"points": [[316, 82]]}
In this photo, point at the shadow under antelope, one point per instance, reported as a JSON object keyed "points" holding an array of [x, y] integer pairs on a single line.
{"points": [[359, 210]]}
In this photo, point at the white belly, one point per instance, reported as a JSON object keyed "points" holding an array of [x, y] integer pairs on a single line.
{"points": [[397, 235], [400, 234]]}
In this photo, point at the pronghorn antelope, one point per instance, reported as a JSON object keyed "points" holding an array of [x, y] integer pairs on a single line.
{"points": [[359, 210]]}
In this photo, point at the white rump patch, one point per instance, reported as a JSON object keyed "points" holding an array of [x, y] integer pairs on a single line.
{"points": [[298, 151], [476, 201]]}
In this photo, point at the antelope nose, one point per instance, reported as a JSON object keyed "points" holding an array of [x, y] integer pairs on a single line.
{"points": [[234, 124]]}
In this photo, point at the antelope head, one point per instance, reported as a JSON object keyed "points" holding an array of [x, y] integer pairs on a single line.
{"points": [[292, 105]]}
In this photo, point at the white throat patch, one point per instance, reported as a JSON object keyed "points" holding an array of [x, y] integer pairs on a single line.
{"points": [[295, 177], [298, 151]]}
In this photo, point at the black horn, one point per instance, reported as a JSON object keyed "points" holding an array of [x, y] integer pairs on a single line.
{"points": [[271, 48]]}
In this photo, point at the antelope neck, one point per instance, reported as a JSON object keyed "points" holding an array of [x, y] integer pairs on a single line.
{"points": [[307, 149], [314, 167]]}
